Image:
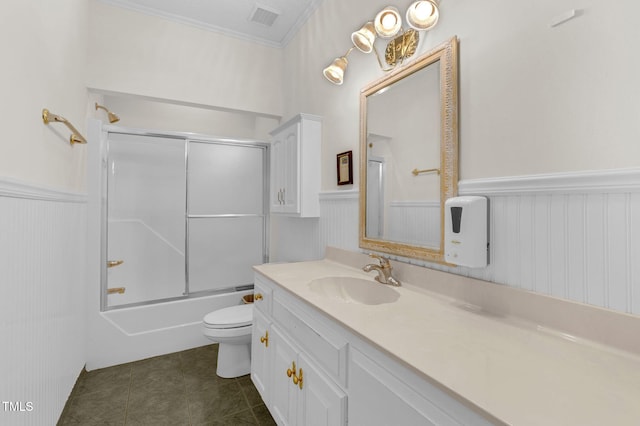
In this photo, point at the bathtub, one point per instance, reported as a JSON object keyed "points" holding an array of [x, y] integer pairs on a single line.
{"points": [[129, 334]]}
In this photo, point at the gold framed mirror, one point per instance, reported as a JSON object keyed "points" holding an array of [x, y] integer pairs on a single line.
{"points": [[409, 155]]}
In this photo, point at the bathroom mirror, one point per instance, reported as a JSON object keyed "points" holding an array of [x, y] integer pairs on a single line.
{"points": [[409, 155]]}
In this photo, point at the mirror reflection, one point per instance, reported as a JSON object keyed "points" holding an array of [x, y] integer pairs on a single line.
{"points": [[409, 155], [403, 170]]}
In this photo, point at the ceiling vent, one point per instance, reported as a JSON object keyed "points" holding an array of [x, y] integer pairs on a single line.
{"points": [[263, 15]]}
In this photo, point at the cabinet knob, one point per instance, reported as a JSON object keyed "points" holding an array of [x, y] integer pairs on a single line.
{"points": [[257, 296], [265, 339], [291, 372]]}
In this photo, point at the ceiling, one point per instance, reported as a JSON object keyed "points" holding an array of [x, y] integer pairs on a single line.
{"points": [[269, 22]]}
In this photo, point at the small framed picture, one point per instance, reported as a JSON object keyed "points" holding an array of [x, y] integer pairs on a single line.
{"points": [[345, 168]]}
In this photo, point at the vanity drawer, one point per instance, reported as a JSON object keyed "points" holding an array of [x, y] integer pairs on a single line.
{"points": [[316, 339], [262, 295]]}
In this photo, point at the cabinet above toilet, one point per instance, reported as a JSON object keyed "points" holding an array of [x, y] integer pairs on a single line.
{"points": [[295, 167]]}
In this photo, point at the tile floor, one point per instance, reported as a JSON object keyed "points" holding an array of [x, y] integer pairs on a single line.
{"points": [[175, 389]]}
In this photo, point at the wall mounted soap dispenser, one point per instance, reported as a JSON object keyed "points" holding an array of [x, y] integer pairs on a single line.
{"points": [[466, 234]]}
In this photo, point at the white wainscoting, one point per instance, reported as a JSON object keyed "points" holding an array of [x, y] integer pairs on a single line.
{"points": [[339, 218], [574, 236], [43, 301]]}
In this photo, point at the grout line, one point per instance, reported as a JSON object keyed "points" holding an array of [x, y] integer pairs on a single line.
{"points": [[184, 383], [126, 407]]}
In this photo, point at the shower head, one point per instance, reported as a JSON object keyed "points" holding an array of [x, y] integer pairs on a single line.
{"points": [[112, 117]]}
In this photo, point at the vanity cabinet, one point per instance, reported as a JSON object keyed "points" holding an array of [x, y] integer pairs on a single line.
{"points": [[335, 365], [293, 382], [384, 392], [295, 167], [260, 368], [302, 394]]}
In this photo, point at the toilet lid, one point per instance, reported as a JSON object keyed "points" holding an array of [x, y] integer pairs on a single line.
{"points": [[232, 317]]}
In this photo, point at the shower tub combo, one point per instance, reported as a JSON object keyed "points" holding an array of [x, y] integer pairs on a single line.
{"points": [[182, 219]]}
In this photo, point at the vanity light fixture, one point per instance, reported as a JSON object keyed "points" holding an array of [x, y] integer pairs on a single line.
{"points": [[421, 16]]}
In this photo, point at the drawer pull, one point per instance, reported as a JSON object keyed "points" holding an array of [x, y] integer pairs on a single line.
{"points": [[265, 339], [291, 372], [257, 296]]}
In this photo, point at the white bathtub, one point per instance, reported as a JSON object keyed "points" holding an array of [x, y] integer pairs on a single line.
{"points": [[130, 334]]}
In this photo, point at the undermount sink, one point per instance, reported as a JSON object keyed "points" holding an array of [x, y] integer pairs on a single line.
{"points": [[354, 290]]}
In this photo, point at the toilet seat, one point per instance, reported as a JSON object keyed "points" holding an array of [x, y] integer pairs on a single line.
{"points": [[232, 317]]}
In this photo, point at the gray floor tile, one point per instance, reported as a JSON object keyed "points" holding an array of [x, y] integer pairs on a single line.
{"points": [[243, 418], [250, 391], [104, 379], [161, 406], [216, 402], [104, 407], [175, 389], [263, 415]]}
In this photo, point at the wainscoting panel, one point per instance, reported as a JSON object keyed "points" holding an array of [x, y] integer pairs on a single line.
{"points": [[42, 307], [339, 218], [574, 236]]}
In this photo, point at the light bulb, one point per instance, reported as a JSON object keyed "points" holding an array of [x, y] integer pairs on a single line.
{"points": [[388, 21], [423, 15], [423, 10]]}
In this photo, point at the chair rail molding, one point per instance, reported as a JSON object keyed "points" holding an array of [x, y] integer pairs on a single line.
{"points": [[594, 181], [14, 188]]}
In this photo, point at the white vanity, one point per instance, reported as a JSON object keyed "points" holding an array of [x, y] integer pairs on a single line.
{"points": [[327, 352]]}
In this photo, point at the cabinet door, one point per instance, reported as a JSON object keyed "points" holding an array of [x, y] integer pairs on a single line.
{"points": [[285, 170], [283, 393], [320, 403], [260, 355], [291, 169], [277, 173], [383, 397]]}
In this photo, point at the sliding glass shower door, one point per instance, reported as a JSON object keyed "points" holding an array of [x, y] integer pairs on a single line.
{"points": [[184, 217], [146, 198], [226, 214]]}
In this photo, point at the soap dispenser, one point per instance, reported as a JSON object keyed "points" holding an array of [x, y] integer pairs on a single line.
{"points": [[466, 234]]}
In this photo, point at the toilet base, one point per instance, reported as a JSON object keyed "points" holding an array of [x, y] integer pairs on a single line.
{"points": [[233, 360]]}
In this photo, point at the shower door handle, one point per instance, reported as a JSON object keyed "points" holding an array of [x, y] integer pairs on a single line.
{"points": [[112, 263]]}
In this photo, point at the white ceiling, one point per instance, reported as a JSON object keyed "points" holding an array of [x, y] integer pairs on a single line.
{"points": [[232, 17]]}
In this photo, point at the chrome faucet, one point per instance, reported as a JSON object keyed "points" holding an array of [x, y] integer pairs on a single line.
{"points": [[384, 270]]}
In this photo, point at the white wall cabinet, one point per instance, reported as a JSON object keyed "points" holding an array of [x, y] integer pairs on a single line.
{"points": [[336, 365], [295, 166]]}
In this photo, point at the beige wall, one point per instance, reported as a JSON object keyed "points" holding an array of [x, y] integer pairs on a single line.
{"points": [[43, 66], [144, 55], [533, 98]]}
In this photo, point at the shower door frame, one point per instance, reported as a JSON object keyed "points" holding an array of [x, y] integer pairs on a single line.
{"points": [[186, 138]]}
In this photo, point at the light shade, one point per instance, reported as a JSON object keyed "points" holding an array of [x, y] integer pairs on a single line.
{"points": [[423, 15], [364, 38], [388, 22], [335, 72]]}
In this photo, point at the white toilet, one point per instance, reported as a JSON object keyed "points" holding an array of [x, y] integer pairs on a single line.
{"points": [[231, 328]]}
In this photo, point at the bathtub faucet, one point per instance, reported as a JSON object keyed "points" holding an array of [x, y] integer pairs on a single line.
{"points": [[384, 270]]}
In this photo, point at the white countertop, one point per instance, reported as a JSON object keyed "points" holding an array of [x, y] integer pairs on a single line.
{"points": [[509, 368]]}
